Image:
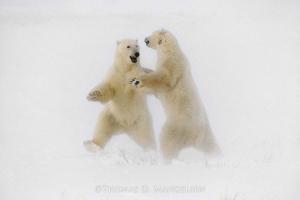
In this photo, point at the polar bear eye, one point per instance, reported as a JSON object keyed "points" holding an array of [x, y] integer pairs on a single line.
{"points": [[128, 47]]}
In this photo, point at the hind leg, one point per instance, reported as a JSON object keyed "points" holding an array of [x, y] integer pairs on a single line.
{"points": [[206, 142], [169, 147], [172, 140], [105, 128]]}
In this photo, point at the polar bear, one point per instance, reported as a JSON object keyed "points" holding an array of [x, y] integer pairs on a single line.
{"points": [[125, 108], [186, 121]]}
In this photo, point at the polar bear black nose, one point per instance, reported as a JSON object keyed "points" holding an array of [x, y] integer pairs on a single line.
{"points": [[137, 54], [146, 41]]}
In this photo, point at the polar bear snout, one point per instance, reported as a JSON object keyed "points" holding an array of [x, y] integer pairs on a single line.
{"points": [[147, 41], [133, 59]]}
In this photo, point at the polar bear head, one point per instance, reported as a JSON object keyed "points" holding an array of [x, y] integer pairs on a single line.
{"points": [[128, 51], [161, 39]]}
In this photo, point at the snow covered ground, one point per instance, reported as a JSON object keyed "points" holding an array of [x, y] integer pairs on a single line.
{"points": [[245, 60]]}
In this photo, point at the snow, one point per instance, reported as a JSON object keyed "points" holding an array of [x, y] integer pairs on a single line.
{"points": [[245, 61]]}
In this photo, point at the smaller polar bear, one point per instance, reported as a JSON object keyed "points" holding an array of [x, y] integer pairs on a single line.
{"points": [[126, 108], [186, 121]]}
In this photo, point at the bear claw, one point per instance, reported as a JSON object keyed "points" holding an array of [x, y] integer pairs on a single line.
{"points": [[135, 82], [94, 95]]}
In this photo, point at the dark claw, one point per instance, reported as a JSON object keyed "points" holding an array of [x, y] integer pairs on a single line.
{"points": [[132, 80]]}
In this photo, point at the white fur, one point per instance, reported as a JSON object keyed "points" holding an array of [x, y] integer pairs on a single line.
{"points": [[126, 108], [186, 124]]}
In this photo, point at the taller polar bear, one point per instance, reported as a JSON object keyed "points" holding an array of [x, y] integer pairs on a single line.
{"points": [[126, 109], [186, 121]]}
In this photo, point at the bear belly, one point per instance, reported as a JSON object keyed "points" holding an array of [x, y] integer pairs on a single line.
{"points": [[180, 105], [126, 115]]}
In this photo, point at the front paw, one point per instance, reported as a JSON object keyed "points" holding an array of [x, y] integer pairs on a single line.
{"points": [[135, 82], [94, 95]]}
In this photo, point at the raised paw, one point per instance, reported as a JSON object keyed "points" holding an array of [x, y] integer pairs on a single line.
{"points": [[94, 95], [135, 82]]}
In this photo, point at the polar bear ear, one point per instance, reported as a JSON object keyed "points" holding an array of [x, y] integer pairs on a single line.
{"points": [[162, 40], [163, 31]]}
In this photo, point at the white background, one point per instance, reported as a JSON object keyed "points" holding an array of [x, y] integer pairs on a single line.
{"points": [[245, 60]]}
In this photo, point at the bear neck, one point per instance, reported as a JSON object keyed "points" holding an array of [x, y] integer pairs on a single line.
{"points": [[167, 51], [122, 66]]}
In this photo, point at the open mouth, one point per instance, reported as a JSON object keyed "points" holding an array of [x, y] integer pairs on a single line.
{"points": [[133, 59], [147, 41]]}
